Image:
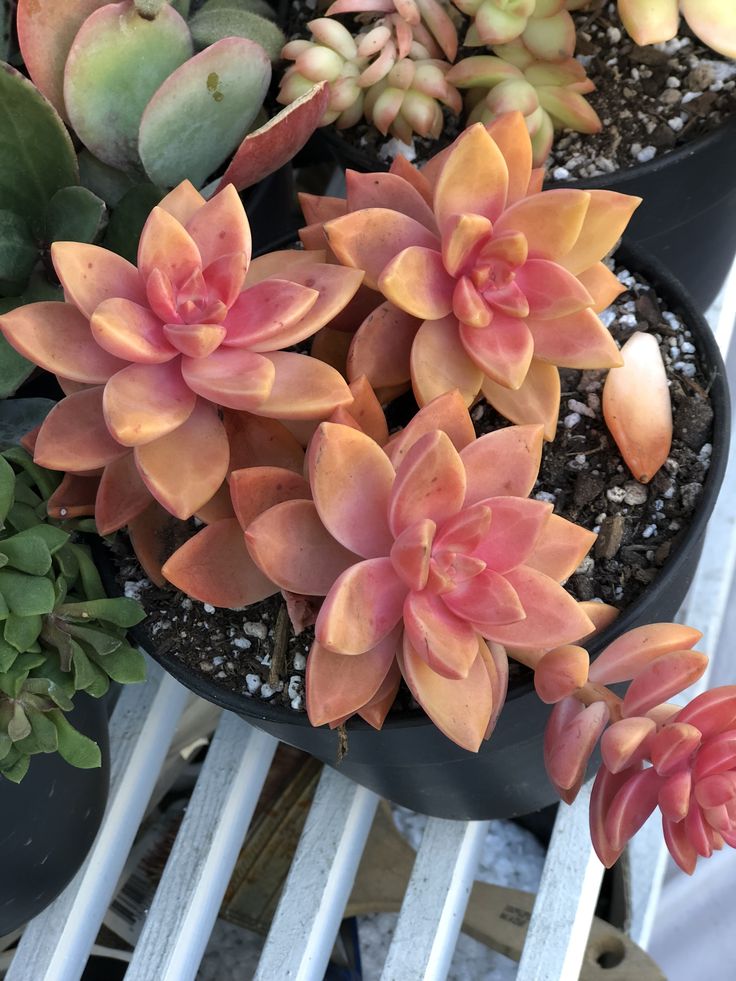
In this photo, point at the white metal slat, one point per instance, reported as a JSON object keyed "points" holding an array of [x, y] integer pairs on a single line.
{"points": [[198, 870], [321, 877], [436, 898], [56, 944]]}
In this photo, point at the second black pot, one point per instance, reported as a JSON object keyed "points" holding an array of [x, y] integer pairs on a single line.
{"points": [[409, 761], [49, 821]]}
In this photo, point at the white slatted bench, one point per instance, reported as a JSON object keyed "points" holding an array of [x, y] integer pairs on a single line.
{"points": [[55, 946]]}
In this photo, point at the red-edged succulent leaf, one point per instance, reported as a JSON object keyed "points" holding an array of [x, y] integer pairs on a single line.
{"points": [[716, 790], [461, 709], [537, 401], [474, 152], [602, 285], [662, 678], [303, 388], [497, 666], [440, 363], [561, 672], [91, 274], [637, 407], [605, 221], [448, 643], [576, 340], [232, 377], [570, 737], [511, 136], [416, 281], [151, 535], [56, 337], [256, 489], [516, 525], [130, 331], [551, 221], [626, 742], [503, 351], [74, 436], [338, 685], [351, 479], [634, 650], [374, 190], [715, 755], [361, 608], [259, 442], [319, 208], [560, 548], [631, 806], [45, 35], [553, 617], [144, 402], [121, 497], [375, 711], [184, 469], [505, 462], [430, 483], [673, 746], [266, 313], [294, 549], [278, 141], [354, 241], [447, 413], [605, 788], [601, 614], [679, 845], [183, 202], [73, 498], [215, 567], [712, 712], [674, 795]]}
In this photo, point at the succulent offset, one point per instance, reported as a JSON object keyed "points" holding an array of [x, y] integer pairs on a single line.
{"points": [[60, 633], [503, 280]]}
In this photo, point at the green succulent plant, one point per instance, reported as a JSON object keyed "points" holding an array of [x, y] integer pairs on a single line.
{"points": [[59, 632]]}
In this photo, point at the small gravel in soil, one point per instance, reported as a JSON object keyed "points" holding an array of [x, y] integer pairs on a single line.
{"points": [[582, 474], [649, 99]]}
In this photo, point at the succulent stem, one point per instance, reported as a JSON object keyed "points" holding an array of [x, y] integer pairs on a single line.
{"points": [[149, 9]]}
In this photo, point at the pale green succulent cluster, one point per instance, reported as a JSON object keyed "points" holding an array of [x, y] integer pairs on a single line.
{"points": [[60, 634]]}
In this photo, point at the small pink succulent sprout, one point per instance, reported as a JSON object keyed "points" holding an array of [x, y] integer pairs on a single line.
{"points": [[444, 547], [154, 351], [637, 407]]}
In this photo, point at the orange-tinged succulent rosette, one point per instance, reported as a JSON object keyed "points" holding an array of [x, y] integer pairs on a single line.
{"points": [[501, 282], [151, 356]]}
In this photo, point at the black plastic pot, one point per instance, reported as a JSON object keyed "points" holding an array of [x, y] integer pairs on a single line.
{"points": [[272, 209], [410, 761], [688, 216], [49, 821]]}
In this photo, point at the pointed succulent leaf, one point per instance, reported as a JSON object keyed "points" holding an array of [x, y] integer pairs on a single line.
{"points": [[362, 607], [502, 463], [570, 738], [713, 22], [631, 806], [536, 401], [633, 651], [664, 677], [36, 153], [115, 65], [560, 549], [121, 611], [560, 673], [713, 711], [202, 111], [440, 363], [626, 742], [637, 407]]}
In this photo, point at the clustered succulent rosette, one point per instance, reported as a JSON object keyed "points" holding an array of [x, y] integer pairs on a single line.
{"points": [[490, 283], [150, 356], [60, 633], [418, 554], [398, 69]]}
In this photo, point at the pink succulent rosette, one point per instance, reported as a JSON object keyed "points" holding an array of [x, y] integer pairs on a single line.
{"points": [[441, 551], [491, 283], [149, 356]]}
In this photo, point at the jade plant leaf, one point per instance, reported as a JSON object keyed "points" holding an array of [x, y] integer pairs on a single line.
{"points": [[127, 220], [18, 417], [271, 146], [36, 153], [45, 34], [74, 214], [105, 181], [75, 747], [18, 251], [116, 63], [202, 111], [209, 26]]}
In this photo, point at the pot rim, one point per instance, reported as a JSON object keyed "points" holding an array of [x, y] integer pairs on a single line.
{"points": [[670, 289]]}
